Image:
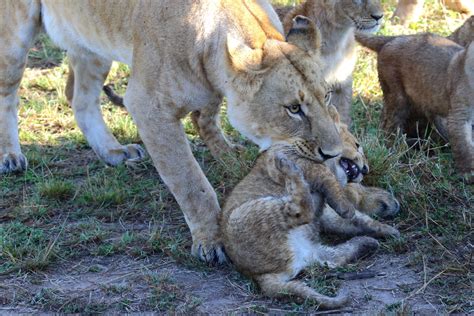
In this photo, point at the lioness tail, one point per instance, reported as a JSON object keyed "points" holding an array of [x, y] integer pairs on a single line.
{"points": [[113, 97]]}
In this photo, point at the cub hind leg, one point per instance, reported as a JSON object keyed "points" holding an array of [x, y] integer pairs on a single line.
{"points": [[277, 285], [86, 78], [20, 23]]}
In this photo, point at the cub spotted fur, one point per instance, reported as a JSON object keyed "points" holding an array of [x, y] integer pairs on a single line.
{"points": [[185, 56], [337, 21], [271, 221], [428, 77]]}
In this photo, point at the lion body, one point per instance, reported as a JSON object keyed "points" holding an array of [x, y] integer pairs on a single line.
{"points": [[428, 77], [271, 221], [185, 57], [338, 21]]}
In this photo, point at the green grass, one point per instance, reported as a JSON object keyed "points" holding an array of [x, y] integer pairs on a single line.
{"points": [[69, 205]]}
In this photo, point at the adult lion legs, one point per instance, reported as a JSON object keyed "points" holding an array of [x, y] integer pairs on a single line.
{"points": [[17, 37], [87, 74]]}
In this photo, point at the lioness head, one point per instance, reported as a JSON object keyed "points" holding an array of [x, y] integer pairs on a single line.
{"points": [[352, 165], [365, 14], [277, 93]]}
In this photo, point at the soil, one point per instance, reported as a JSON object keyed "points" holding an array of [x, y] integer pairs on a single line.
{"points": [[119, 283]]}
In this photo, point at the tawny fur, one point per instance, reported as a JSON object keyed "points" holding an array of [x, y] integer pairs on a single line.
{"points": [[185, 56], [428, 77], [464, 34], [411, 10], [337, 21], [271, 221]]}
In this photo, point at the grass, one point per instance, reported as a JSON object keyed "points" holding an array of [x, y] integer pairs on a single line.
{"points": [[69, 206]]}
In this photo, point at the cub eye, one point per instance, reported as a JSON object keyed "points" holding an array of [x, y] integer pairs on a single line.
{"points": [[295, 109]]}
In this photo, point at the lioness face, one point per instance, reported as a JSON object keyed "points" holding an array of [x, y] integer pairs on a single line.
{"points": [[352, 165], [282, 100], [366, 14]]}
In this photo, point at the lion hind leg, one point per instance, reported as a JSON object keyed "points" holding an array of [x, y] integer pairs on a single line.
{"points": [[276, 285], [18, 33], [83, 90]]}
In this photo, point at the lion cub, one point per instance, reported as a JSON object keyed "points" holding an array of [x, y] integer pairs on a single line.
{"points": [[271, 221], [338, 20], [428, 77]]}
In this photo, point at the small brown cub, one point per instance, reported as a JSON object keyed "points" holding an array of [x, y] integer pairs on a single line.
{"points": [[270, 223], [428, 77]]}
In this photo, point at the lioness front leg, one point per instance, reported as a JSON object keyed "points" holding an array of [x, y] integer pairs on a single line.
{"points": [[164, 137], [207, 123], [83, 90], [18, 32]]}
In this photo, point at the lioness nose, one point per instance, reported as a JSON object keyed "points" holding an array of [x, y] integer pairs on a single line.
{"points": [[326, 156], [376, 16]]}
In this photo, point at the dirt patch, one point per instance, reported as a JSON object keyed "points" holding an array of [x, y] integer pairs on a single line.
{"points": [[157, 283]]}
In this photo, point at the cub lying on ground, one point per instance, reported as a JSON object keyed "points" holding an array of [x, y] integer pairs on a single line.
{"points": [[428, 77], [270, 223]]}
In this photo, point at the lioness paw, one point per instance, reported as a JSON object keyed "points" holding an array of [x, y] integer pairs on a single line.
{"points": [[208, 252], [130, 153], [13, 163]]}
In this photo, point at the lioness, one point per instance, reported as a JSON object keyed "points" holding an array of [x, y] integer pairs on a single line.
{"points": [[185, 56], [432, 78], [337, 21], [271, 221]]}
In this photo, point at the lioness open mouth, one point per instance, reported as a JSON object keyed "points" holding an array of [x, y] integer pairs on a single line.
{"points": [[350, 168]]}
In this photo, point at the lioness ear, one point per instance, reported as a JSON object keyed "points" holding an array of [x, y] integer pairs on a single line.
{"points": [[334, 114], [304, 34], [242, 57]]}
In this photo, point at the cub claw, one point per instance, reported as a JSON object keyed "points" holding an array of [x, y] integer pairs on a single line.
{"points": [[13, 163]]}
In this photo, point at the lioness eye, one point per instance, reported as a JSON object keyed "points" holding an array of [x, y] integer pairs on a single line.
{"points": [[295, 109], [327, 97]]}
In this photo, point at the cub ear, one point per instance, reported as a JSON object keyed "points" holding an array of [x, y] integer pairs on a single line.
{"points": [[304, 34], [242, 57]]}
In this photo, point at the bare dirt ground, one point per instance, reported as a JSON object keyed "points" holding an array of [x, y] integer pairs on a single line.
{"points": [[118, 284]]}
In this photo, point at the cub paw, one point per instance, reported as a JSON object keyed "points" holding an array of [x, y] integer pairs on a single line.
{"points": [[365, 246], [346, 209], [381, 203], [389, 231], [130, 153], [13, 163], [211, 253], [286, 166]]}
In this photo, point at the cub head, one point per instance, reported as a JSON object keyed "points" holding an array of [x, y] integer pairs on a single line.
{"points": [[276, 94], [352, 165], [367, 15]]}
